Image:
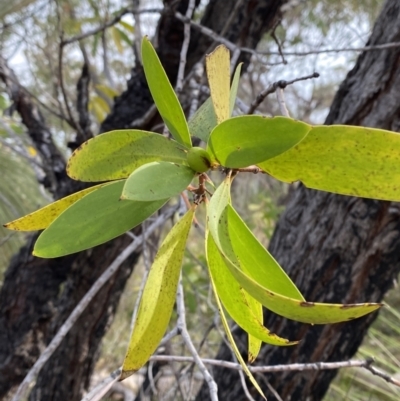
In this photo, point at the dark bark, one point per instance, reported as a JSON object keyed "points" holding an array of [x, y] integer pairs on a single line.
{"points": [[37, 294], [336, 248]]}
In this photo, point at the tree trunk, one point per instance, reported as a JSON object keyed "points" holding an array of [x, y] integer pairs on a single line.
{"points": [[336, 248], [38, 294]]}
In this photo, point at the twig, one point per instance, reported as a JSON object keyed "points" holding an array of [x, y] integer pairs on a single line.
{"points": [[182, 328], [138, 31], [272, 88], [240, 371], [103, 387], [106, 70], [145, 119], [147, 265], [78, 310], [173, 333], [194, 84], [234, 59], [82, 104], [273, 391], [281, 101], [208, 32], [382, 375], [366, 364], [61, 75], [185, 46], [384, 46], [151, 378], [273, 35], [231, 46], [108, 24], [244, 386], [100, 28]]}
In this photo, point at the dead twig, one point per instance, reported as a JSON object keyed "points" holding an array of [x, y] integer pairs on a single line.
{"points": [[273, 87]]}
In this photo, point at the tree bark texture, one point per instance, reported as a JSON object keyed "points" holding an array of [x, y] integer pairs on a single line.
{"points": [[38, 294], [337, 249]]}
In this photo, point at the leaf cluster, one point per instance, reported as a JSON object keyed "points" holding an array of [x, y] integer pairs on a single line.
{"points": [[140, 171]]}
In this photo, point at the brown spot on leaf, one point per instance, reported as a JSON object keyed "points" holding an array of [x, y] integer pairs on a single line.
{"points": [[348, 306], [307, 304]]}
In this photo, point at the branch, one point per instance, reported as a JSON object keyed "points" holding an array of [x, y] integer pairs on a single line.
{"points": [[385, 46], [273, 87], [182, 328], [138, 32], [281, 101], [382, 375], [365, 364], [185, 46], [60, 66], [102, 388], [208, 32], [100, 28], [231, 46], [108, 24], [82, 106], [273, 35], [79, 309]]}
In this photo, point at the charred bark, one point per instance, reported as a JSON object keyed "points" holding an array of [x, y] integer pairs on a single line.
{"points": [[336, 248], [37, 294]]}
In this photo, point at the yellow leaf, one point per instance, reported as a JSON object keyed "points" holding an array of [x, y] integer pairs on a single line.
{"points": [[218, 74], [232, 342], [42, 218], [99, 107], [117, 39], [127, 26], [107, 90], [158, 297]]}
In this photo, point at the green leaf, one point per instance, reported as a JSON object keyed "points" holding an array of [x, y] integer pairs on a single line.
{"points": [[42, 218], [343, 159], [205, 120], [236, 301], [158, 297], [164, 96], [218, 74], [116, 154], [234, 88], [254, 259], [289, 307], [94, 219], [302, 311], [246, 140], [217, 205], [253, 343], [233, 344], [157, 180]]}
